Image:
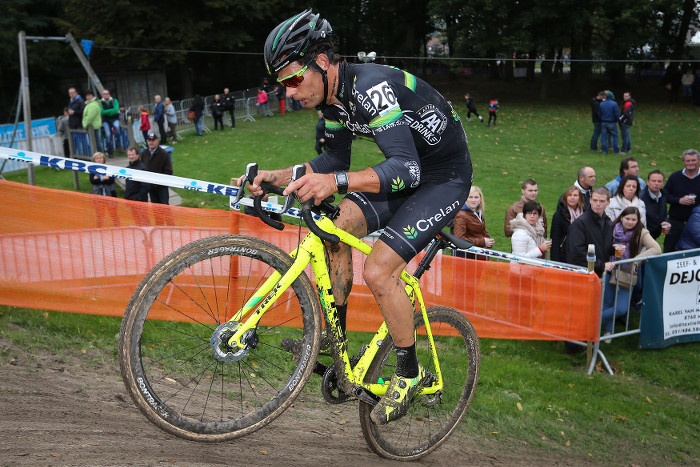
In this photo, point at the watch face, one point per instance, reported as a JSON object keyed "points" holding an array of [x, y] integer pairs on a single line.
{"points": [[341, 180]]}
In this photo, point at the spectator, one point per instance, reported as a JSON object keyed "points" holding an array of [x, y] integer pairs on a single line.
{"points": [[123, 115], [262, 102], [320, 133], [626, 121], [633, 241], [627, 195], [569, 208], [471, 108], [654, 200], [159, 119], [281, 92], [687, 83], [528, 234], [198, 108], [266, 86], [628, 166], [171, 118], [585, 183], [529, 191], [217, 111], [230, 106], [595, 105], [110, 121], [92, 117], [691, 233], [470, 224], [62, 128], [101, 184], [157, 160], [681, 188], [493, 108], [608, 111], [76, 105], [136, 191], [592, 227], [145, 126], [296, 105]]}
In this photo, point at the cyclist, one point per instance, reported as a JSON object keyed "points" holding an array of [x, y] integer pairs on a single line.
{"points": [[412, 194]]}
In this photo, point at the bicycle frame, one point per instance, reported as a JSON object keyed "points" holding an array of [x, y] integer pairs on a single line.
{"points": [[311, 250]]}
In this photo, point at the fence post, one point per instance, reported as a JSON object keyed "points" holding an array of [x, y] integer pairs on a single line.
{"points": [[590, 258]]}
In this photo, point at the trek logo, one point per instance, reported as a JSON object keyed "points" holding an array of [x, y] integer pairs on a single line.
{"points": [[424, 224], [429, 122]]}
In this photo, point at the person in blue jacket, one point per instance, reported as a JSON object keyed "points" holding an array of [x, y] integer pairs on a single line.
{"points": [[608, 111]]}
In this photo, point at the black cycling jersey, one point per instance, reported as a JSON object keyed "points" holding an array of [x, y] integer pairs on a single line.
{"points": [[427, 161], [413, 125]]}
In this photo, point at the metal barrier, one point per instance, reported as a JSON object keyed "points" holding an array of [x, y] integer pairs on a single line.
{"points": [[627, 302]]}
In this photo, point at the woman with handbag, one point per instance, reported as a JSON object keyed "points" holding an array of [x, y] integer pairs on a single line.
{"points": [[631, 240]]}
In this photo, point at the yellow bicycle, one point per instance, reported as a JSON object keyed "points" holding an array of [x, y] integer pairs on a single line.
{"points": [[204, 344]]}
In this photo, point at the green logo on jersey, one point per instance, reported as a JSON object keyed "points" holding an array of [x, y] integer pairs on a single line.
{"points": [[397, 184], [410, 232]]}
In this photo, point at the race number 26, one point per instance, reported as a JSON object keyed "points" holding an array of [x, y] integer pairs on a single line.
{"points": [[383, 97]]}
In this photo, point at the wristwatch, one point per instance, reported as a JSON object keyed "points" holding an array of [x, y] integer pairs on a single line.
{"points": [[341, 179]]}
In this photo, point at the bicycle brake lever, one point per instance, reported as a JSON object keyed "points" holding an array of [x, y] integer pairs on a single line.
{"points": [[251, 171], [298, 171]]}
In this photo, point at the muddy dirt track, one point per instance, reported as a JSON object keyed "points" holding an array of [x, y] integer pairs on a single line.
{"points": [[55, 411]]}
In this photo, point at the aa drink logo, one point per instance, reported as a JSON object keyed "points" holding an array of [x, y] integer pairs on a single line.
{"points": [[428, 122]]}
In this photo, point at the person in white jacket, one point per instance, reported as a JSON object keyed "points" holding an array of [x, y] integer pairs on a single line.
{"points": [[527, 239], [627, 195]]}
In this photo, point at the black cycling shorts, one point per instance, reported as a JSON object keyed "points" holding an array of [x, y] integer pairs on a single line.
{"points": [[411, 218]]}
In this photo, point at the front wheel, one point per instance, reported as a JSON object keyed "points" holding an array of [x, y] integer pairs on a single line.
{"points": [[430, 419], [168, 347]]}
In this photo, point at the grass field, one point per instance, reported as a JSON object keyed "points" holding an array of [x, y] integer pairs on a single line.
{"points": [[530, 393]]}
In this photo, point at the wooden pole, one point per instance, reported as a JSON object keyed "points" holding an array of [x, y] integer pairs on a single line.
{"points": [[27, 110]]}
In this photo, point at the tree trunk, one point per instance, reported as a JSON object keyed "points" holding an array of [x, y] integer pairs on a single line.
{"points": [[546, 74], [679, 40], [531, 65], [581, 72]]}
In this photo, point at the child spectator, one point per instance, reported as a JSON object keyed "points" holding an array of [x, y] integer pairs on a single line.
{"points": [[471, 108], [493, 108], [145, 124], [102, 184]]}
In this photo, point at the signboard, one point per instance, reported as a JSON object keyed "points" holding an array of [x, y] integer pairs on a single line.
{"points": [[40, 129], [671, 312]]}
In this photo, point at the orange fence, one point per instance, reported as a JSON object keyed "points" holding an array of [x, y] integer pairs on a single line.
{"points": [[75, 252]]}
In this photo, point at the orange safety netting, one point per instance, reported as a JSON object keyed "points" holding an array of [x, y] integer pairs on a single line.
{"points": [[82, 253]]}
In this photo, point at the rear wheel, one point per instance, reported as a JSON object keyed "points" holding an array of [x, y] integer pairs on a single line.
{"points": [[430, 419], [179, 375]]}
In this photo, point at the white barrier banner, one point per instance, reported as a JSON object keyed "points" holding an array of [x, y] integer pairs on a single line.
{"points": [[681, 303]]}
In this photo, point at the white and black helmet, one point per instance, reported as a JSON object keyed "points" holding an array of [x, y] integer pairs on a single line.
{"points": [[291, 39]]}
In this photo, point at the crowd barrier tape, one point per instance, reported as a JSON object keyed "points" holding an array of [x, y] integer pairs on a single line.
{"points": [[90, 255], [173, 181]]}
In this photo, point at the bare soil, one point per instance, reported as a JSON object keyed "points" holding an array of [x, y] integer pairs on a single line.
{"points": [[68, 410]]}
